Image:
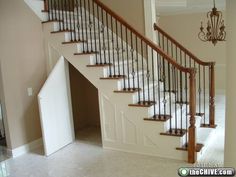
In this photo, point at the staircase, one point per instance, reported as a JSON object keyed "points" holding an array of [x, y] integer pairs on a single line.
{"points": [[147, 97]]}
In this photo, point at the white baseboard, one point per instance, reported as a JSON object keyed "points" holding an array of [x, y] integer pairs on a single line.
{"points": [[26, 148]]}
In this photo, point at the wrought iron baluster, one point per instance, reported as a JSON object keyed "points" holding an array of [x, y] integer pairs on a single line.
{"points": [[74, 21], [148, 75], [137, 66], [99, 49], [76, 24], [113, 48], [117, 48], [123, 57], [132, 59], [103, 38], [108, 45], [143, 78], [86, 26], [63, 15], [90, 26], [70, 21], [199, 89], [158, 83], [127, 59], [181, 94]]}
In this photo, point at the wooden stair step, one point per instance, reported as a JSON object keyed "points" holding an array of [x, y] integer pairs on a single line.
{"points": [[130, 90], [49, 21], [182, 102], [143, 104], [62, 31], [114, 77], [158, 118], [86, 53], [208, 126], [73, 42], [175, 132], [99, 65], [185, 147], [46, 11]]}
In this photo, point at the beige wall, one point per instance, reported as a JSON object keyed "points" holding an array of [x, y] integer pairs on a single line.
{"points": [[132, 11], [23, 65], [2, 101], [230, 144], [185, 29], [84, 101]]}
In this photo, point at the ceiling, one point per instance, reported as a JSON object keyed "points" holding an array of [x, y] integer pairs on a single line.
{"points": [[172, 7]]}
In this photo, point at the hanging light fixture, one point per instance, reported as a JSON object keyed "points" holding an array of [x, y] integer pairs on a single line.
{"points": [[215, 30]]}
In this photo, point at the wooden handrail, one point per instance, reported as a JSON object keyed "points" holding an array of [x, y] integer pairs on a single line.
{"points": [[143, 38], [157, 28]]}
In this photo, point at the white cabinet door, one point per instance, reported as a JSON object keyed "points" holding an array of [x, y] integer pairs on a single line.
{"points": [[55, 109]]}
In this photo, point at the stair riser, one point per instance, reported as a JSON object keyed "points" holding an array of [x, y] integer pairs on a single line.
{"points": [[64, 12], [72, 35], [89, 46]]}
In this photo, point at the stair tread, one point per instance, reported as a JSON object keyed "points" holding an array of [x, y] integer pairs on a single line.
{"points": [[73, 42], [86, 53], [208, 126], [62, 31], [143, 104], [159, 118], [99, 65], [113, 78], [49, 21], [133, 90], [175, 132]]}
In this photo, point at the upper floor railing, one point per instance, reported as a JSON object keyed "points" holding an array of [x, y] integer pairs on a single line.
{"points": [[205, 75]]}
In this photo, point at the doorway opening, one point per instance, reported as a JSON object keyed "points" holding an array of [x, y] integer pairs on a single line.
{"points": [[85, 106]]}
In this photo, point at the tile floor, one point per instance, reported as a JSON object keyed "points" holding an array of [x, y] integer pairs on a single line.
{"points": [[86, 158]]}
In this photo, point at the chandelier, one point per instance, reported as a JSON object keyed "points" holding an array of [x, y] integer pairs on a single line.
{"points": [[215, 30]]}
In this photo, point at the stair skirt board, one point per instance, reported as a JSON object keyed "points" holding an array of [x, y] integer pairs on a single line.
{"points": [[124, 123]]}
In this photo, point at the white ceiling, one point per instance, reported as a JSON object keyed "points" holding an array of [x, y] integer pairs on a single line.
{"points": [[172, 7]]}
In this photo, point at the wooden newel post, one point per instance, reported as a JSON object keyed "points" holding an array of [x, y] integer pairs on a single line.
{"points": [[212, 95], [46, 5], [192, 111]]}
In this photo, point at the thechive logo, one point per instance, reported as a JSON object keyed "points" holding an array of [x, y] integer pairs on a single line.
{"points": [[183, 172], [206, 172]]}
